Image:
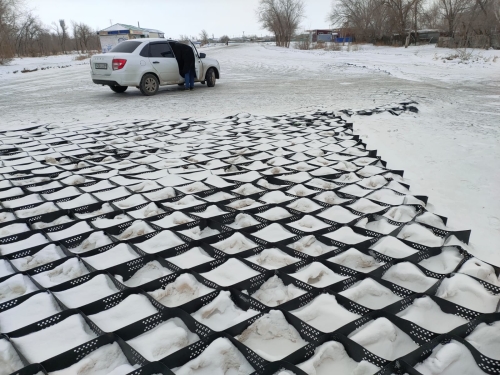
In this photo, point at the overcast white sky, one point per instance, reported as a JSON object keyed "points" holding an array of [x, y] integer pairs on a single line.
{"points": [[174, 17]]}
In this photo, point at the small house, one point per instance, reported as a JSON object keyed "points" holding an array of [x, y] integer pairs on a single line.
{"points": [[120, 32]]}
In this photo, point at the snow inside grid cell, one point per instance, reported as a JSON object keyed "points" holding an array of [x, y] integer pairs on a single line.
{"points": [[272, 337], [166, 338], [10, 361], [149, 272], [274, 292], [69, 270], [348, 236], [98, 287], [222, 313], [229, 273], [310, 245], [133, 308], [427, 314], [184, 289], [191, 258], [118, 254], [332, 358], [317, 275], [220, 354], [371, 294], [272, 259], [65, 334], [106, 360], [325, 313], [384, 338], [356, 260]]}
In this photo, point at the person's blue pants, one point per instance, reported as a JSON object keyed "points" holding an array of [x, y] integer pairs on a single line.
{"points": [[189, 78]]}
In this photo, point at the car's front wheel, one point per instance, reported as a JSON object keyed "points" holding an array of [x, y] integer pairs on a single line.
{"points": [[149, 84], [210, 77], [119, 89]]}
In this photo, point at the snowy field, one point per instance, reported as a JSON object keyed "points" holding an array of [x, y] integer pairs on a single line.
{"points": [[449, 151], [233, 244]]}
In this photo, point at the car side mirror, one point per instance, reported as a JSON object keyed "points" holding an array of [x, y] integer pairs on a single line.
{"points": [[203, 55]]}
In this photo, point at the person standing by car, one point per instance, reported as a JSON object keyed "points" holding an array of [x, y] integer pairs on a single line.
{"points": [[186, 61]]}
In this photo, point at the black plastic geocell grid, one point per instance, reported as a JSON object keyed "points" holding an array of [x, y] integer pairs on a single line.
{"points": [[321, 134]]}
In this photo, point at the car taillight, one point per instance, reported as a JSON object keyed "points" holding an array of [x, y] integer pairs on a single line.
{"points": [[119, 64]]}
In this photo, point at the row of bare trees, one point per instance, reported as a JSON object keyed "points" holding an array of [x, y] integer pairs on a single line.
{"points": [[392, 20], [23, 34], [281, 18]]}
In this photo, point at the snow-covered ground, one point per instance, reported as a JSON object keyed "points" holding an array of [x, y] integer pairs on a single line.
{"points": [[449, 150]]}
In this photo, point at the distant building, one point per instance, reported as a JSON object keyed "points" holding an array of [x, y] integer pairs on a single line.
{"points": [[429, 35], [120, 32], [321, 35]]}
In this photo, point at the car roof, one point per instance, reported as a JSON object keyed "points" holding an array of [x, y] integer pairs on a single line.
{"points": [[154, 40]]}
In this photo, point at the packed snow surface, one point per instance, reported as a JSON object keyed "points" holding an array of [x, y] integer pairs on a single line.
{"points": [[35, 308], [355, 259], [70, 269], [371, 294], [16, 286], [393, 248], [62, 336], [409, 276], [272, 337], [235, 244], [427, 314], [220, 358], [444, 262], [325, 313], [449, 359], [229, 273], [317, 275], [273, 233], [222, 313], [47, 254], [96, 288], [331, 358], [150, 271], [163, 340], [9, 359], [272, 259], [465, 291], [131, 309], [162, 241], [191, 258], [481, 270], [485, 338], [383, 338], [274, 292], [118, 254], [106, 360], [184, 289], [310, 245]]}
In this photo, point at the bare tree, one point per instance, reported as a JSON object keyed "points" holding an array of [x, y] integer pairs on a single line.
{"points": [[224, 39], [204, 37], [8, 29], [282, 18], [368, 19], [451, 10], [85, 34], [61, 31]]}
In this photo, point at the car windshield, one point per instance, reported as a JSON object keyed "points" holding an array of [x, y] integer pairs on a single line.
{"points": [[126, 47]]}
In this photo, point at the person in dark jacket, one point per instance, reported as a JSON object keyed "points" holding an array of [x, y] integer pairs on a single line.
{"points": [[186, 61]]}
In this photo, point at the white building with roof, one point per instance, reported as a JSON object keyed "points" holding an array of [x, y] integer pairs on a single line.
{"points": [[120, 32]]}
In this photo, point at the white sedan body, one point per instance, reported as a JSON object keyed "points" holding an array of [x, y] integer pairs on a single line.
{"points": [[129, 61]]}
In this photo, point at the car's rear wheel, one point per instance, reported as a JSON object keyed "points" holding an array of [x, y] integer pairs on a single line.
{"points": [[149, 84], [119, 89], [210, 77]]}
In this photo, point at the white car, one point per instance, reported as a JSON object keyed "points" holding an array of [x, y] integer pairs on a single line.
{"points": [[147, 64]]}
